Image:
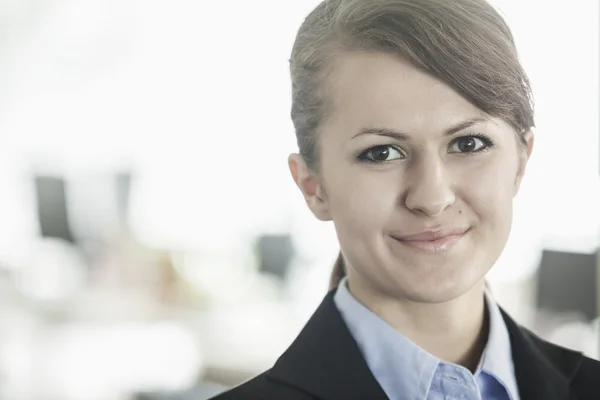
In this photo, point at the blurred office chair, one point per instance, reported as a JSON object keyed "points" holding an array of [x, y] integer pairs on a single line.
{"points": [[275, 254], [52, 208], [567, 283]]}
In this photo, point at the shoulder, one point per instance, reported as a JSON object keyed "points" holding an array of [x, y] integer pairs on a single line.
{"points": [[546, 370], [583, 372], [586, 381], [262, 387]]}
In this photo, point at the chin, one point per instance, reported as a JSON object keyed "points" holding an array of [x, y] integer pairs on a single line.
{"points": [[438, 294], [434, 289]]}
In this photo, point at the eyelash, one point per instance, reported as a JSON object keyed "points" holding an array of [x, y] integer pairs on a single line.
{"points": [[487, 141], [363, 155]]}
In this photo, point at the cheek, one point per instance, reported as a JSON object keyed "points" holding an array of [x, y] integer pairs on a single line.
{"points": [[488, 190], [361, 200]]}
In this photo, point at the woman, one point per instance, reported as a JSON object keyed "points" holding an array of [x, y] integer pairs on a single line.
{"points": [[413, 119]]}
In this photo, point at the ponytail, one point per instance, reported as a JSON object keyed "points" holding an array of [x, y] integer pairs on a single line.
{"points": [[338, 272]]}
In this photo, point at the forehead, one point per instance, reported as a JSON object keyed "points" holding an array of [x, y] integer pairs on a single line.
{"points": [[376, 89]]}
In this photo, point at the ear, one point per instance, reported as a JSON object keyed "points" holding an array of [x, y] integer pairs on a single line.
{"points": [[524, 154], [309, 185]]}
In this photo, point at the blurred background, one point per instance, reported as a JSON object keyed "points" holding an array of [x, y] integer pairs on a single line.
{"points": [[152, 242]]}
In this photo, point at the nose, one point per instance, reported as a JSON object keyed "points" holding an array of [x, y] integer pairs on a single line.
{"points": [[430, 190]]}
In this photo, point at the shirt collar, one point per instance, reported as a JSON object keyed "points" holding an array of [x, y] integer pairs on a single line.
{"points": [[391, 355], [497, 356]]}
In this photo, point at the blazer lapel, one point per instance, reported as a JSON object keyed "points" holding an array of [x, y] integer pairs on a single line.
{"points": [[543, 370], [325, 360]]}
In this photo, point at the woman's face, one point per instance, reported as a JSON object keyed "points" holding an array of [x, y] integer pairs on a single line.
{"points": [[419, 182]]}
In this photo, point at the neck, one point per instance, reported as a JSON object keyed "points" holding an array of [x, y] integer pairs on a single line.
{"points": [[455, 331]]}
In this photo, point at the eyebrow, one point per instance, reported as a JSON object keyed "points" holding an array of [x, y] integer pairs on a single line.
{"points": [[405, 137]]}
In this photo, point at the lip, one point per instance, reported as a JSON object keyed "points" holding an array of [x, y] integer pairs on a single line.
{"points": [[433, 241]]}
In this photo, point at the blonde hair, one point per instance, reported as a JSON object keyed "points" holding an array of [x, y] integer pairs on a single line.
{"points": [[338, 272], [464, 43]]}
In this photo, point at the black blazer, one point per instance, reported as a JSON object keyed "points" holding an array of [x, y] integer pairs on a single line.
{"points": [[325, 363]]}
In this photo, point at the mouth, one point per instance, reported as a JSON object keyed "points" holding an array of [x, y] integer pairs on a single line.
{"points": [[432, 241]]}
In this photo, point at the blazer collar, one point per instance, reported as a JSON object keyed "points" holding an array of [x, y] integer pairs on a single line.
{"points": [[326, 362]]}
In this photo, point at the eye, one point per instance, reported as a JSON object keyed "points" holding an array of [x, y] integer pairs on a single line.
{"points": [[383, 153], [470, 144]]}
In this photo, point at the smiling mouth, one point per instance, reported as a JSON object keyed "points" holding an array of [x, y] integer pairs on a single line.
{"points": [[432, 243]]}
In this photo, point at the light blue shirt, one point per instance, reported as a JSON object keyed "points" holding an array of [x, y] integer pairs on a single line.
{"points": [[407, 372]]}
